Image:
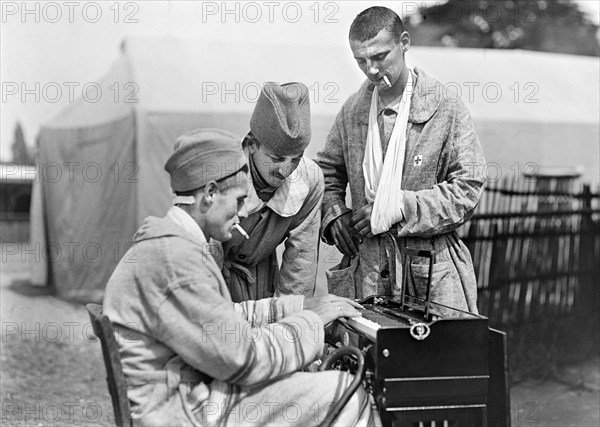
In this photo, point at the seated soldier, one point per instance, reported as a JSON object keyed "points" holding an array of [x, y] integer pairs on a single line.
{"points": [[190, 355]]}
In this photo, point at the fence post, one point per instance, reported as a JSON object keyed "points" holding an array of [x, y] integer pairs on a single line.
{"points": [[589, 279]]}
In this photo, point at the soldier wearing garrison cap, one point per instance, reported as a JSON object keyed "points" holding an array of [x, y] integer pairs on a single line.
{"points": [[183, 361], [284, 201]]}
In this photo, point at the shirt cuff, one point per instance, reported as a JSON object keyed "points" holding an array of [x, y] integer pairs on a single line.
{"points": [[290, 304], [401, 221], [408, 199]]}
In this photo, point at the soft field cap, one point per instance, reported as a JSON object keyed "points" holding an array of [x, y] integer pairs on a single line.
{"points": [[281, 118], [204, 155]]}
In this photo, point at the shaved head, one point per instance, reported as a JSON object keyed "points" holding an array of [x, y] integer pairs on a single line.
{"points": [[371, 21]]}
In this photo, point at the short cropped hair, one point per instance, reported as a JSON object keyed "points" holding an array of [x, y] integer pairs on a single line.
{"points": [[223, 184], [371, 21]]}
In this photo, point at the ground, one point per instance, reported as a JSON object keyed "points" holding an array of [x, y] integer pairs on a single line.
{"points": [[53, 373]]}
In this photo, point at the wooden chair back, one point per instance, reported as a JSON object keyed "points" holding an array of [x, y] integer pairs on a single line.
{"points": [[117, 385]]}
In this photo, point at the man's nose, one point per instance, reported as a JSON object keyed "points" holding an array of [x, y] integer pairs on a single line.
{"points": [[243, 212], [285, 168], [372, 69]]}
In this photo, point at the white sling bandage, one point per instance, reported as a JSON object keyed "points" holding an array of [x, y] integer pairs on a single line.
{"points": [[384, 177]]}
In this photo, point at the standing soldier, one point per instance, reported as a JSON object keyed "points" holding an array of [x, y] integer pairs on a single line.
{"points": [[284, 201], [410, 155]]}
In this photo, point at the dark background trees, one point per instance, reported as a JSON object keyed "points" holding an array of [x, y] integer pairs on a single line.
{"points": [[544, 25]]}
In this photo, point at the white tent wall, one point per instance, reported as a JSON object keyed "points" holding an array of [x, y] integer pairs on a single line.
{"points": [[177, 89], [89, 207], [83, 207], [514, 148]]}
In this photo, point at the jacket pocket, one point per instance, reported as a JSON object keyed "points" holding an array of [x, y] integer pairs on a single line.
{"points": [[446, 288], [340, 279]]}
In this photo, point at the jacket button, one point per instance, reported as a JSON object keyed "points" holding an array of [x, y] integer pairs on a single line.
{"points": [[264, 209], [385, 273], [242, 256]]}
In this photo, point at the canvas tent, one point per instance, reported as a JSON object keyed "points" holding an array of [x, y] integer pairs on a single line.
{"points": [[101, 159]]}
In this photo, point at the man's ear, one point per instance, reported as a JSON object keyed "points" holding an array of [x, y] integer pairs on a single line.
{"points": [[210, 190], [206, 196], [405, 40]]}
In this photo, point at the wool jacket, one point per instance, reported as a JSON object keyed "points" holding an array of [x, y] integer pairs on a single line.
{"points": [[442, 182], [189, 353], [293, 217]]}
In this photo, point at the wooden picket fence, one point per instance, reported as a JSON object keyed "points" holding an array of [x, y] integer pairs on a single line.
{"points": [[535, 253]]}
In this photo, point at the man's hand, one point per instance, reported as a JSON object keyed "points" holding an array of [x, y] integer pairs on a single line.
{"points": [[340, 233], [361, 222], [331, 307]]}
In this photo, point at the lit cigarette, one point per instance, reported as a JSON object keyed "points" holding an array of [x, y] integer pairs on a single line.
{"points": [[241, 230], [387, 81]]}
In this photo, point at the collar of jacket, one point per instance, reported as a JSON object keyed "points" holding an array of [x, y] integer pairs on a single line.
{"points": [[289, 196], [185, 221], [173, 224], [425, 100]]}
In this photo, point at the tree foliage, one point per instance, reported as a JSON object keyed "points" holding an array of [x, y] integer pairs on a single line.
{"points": [[20, 151], [543, 25]]}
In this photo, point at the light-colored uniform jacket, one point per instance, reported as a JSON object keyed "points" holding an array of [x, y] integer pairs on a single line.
{"points": [[442, 182], [293, 216], [191, 356]]}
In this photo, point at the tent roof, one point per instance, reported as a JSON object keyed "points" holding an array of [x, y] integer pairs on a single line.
{"points": [[100, 106], [173, 75]]}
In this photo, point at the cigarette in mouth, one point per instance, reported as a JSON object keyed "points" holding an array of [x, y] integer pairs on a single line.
{"points": [[387, 81], [241, 230]]}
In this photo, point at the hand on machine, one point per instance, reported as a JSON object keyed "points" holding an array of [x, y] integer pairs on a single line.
{"points": [[331, 307]]}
